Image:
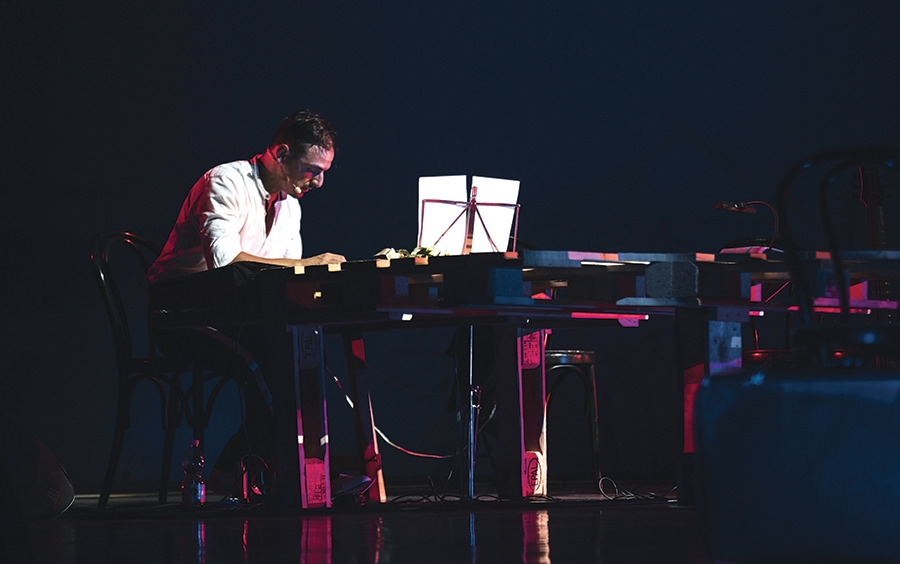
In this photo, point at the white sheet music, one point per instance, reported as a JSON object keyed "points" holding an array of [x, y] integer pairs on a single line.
{"points": [[498, 220], [438, 217], [447, 218]]}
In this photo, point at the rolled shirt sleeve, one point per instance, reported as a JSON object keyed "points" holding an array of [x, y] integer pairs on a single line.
{"points": [[222, 214]]}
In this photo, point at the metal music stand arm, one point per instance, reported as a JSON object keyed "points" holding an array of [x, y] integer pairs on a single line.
{"points": [[515, 208], [452, 223], [468, 207]]}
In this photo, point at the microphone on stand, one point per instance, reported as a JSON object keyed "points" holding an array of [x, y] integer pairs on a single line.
{"points": [[741, 207], [747, 207]]}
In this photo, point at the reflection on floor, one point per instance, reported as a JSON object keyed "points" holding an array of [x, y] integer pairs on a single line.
{"points": [[571, 527]]}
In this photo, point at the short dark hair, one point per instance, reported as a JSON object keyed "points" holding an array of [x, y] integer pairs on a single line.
{"points": [[305, 129]]}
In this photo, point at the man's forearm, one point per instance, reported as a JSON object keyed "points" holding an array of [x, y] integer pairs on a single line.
{"points": [[324, 258]]}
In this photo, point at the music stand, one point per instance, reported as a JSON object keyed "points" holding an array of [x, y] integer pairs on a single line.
{"points": [[471, 211]]}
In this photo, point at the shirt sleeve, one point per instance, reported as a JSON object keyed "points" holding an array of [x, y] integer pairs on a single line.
{"points": [[221, 213]]}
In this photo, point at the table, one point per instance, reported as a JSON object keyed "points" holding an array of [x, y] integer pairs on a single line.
{"points": [[522, 294]]}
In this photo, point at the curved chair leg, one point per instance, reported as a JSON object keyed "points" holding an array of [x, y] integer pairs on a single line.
{"points": [[203, 406], [172, 419], [563, 370], [589, 381], [197, 398], [591, 387], [168, 445], [114, 455]]}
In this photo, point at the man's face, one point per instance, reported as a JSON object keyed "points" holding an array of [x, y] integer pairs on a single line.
{"points": [[307, 171]]}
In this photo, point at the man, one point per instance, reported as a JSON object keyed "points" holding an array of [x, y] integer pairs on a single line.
{"points": [[250, 210], [246, 211]]}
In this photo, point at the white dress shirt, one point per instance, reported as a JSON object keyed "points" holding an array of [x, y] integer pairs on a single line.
{"points": [[224, 214]]}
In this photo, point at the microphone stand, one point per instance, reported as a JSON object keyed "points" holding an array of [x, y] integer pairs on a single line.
{"points": [[470, 210]]}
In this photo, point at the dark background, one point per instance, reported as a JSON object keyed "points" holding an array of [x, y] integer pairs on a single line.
{"points": [[624, 122]]}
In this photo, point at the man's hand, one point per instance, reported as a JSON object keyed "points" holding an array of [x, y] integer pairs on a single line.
{"points": [[324, 258]]}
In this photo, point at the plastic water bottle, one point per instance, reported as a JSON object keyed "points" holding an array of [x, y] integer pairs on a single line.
{"points": [[193, 489]]}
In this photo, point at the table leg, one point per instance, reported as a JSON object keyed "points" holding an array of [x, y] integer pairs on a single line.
{"points": [[301, 422], [363, 420], [708, 341], [521, 412], [471, 429]]}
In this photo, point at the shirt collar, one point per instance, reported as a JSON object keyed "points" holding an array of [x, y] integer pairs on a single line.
{"points": [[254, 174]]}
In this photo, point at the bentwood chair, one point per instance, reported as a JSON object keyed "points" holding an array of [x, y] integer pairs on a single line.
{"points": [[163, 373], [559, 365]]}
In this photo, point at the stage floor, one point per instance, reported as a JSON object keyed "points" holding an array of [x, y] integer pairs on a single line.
{"points": [[575, 525]]}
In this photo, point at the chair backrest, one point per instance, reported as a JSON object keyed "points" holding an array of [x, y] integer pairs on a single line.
{"points": [[101, 247]]}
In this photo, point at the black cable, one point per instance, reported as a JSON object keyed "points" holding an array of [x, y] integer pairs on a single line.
{"points": [[774, 216]]}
